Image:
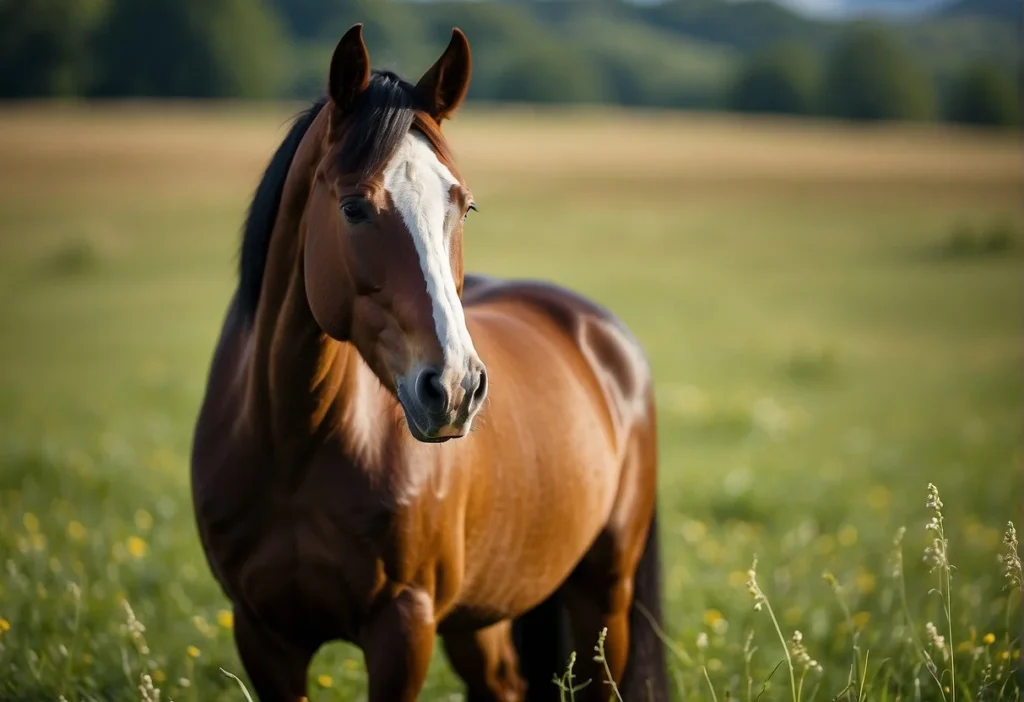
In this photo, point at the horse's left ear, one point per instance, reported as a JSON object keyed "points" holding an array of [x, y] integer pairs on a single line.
{"points": [[350, 69], [443, 87]]}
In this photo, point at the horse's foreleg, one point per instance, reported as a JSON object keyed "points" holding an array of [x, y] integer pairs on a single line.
{"points": [[397, 644], [487, 662], [276, 668]]}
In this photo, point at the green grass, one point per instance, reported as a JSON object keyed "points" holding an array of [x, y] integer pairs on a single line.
{"points": [[823, 350]]}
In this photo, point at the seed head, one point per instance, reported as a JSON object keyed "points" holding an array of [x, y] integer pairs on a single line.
{"points": [[937, 640], [896, 558], [1011, 557], [935, 555], [753, 588], [799, 653]]}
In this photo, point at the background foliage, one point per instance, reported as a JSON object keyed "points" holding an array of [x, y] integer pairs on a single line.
{"points": [[701, 54]]}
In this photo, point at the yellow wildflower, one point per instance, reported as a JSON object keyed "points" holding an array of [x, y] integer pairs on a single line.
{"points": [[879, 497], [192, 652], [988, 639], [137, 546], [325, 681], [76, 530], [866, 582], [38, 542], [847, 535], [5, 625], [87, 659], [159, 676], [861, 619], [226, 619], [711, 617], [31, 522]]}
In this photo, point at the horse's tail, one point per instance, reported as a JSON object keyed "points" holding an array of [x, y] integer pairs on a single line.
{"points": [[646, 676]]}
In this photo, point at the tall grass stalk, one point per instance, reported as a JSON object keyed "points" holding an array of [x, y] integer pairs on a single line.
{"points": [[761, 600], [898, 574], [937, 557]]}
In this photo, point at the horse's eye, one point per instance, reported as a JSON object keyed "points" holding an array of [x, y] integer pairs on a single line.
{"points": [[354, 211]]}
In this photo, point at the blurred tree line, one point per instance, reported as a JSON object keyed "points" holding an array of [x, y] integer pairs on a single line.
{"points": [[962, 63]]}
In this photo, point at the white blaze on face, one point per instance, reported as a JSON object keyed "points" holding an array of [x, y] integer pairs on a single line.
{"points": [[420, 189]]}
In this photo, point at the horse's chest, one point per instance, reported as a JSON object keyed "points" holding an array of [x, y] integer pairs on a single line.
{"points": [[321, 564], [302, 573]]}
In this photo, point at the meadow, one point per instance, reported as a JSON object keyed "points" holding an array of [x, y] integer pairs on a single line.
{"points": [[832, 314]]}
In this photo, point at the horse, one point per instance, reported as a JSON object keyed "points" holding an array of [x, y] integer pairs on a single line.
{"points": [[391, 451]]}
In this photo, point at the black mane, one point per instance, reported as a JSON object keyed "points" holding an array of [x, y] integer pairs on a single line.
{"points": [[380, 119], [259, 222]]}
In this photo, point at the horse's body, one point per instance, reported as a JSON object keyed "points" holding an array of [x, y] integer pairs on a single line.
{"points": [[332, 501]]}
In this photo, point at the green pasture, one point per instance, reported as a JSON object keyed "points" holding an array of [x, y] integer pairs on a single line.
{"points": [[832, 314]]}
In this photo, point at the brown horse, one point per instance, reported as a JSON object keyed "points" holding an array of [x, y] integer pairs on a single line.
{"points": [[339, 491]]}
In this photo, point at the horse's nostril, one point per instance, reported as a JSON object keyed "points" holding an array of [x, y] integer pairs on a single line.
{"points": [[481, 386], [431, 392]]}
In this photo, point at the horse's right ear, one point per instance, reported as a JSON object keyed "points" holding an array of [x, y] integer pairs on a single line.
{"points": [[350, 69]]}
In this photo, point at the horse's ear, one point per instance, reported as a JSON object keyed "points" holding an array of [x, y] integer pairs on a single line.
{"points": [[350, 68], [443, 87]]}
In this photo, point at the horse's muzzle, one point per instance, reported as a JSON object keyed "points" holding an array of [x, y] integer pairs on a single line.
{"points": [[440, 405]]}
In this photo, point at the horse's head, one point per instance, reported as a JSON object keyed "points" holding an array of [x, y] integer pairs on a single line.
{"points": [[383, 235]]}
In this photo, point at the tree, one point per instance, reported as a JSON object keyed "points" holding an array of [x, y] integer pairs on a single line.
{"points": [[45, 46], [871, 76], [191, 48], [548, 72], [985, 94], [781, 79]]}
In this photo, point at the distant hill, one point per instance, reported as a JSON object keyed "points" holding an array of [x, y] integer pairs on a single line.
{"points": [[670, 53], [1003, 10], [947, 43]]}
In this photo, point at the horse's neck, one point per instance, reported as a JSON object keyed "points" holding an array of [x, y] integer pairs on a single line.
{"points": [[307, 379], [300, 381]]}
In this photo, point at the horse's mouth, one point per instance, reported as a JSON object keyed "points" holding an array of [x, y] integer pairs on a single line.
{"points": [[423, 438], [416, 422]]}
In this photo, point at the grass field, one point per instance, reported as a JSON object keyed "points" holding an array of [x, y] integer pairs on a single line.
{"points": [[833, 317]]}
